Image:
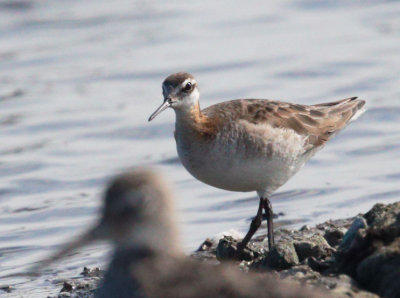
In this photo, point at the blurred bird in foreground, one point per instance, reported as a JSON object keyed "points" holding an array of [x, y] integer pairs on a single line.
{"points": [[138, 218]]}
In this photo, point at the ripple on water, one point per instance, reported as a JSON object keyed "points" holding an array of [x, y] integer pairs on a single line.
{"points": [[16, 168], [395, 176], [374, 197], [287, 196], [38, 185], [383, 114], [70, 74], [171, 161], [374, 150], [23, 148], [10, 120], [12, 250], [144, 132]]}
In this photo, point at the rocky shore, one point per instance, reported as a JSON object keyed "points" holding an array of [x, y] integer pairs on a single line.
{"points": [[354, 257]]}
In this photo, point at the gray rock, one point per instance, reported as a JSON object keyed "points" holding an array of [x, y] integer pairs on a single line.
{"points": [[227, 248], [373, 258], [7, 288], [80, 287], [282, 256], [380, 272], [382, 216], [334, 235], [67, 287], [305, 228], [206, 245], [370, 255], [319, 265], [92, 272], [358, 223], [314, 246]]}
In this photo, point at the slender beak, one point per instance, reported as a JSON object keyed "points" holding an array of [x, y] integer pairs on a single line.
{"points": [[165, 104], [97, 233]]}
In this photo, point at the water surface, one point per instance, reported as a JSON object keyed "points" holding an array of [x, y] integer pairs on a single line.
{"points": [[78, 80]]}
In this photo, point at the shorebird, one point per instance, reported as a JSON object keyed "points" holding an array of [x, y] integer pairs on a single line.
{"points": [[138, 218], [249, 144]]}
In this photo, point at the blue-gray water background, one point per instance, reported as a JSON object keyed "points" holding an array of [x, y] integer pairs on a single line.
{"points": [[78, 80]]}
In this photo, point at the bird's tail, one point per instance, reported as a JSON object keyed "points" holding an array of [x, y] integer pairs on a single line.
{"points": [[347, 109]]}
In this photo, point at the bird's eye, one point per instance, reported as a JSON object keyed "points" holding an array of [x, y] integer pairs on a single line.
{"points": [[188, 87]]}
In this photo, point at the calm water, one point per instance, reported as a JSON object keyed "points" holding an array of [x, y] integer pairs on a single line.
{"points": [[78, 80]]}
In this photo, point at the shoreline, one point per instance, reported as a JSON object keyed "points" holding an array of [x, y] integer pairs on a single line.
{"points": [[353, 257]]}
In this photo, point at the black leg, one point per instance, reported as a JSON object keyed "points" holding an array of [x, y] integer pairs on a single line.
{"points": [[255, 224], [268, 212]]}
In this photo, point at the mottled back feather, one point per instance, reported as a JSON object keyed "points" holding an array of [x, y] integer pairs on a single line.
{"points": [[317, 122]]}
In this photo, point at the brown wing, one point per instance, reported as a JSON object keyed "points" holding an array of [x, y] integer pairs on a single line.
{"points": [[318, 122]]}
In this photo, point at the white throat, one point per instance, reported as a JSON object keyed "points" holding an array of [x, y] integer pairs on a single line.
{"points": [[184, 108]]}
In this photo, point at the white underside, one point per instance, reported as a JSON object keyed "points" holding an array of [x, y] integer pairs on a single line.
{"points": [[358, 114], [244, 157]]}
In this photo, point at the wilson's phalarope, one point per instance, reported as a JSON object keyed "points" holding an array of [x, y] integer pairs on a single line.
{"points": [[147, 262], [249, 144]]}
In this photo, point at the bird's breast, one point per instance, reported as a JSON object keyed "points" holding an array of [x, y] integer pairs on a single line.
{"points": [[237, 160]]}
